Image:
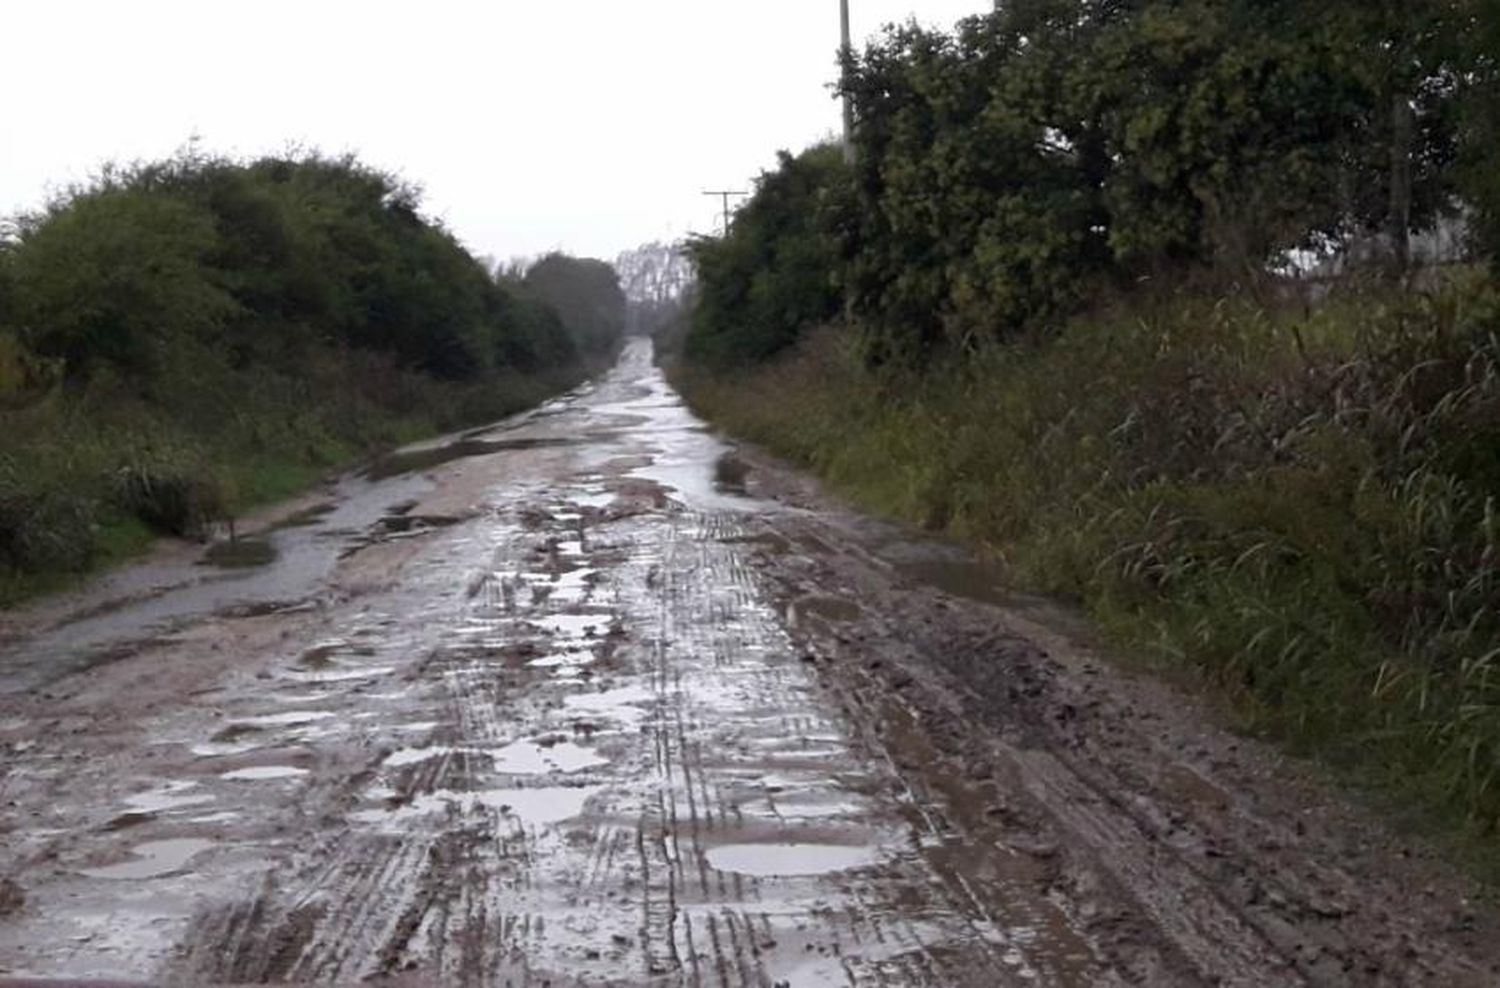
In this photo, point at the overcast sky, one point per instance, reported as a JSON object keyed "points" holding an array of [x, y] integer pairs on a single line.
{"points": [[584, 125]]}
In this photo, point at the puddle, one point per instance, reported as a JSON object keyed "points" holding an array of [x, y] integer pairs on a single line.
{"points": [[288, 719], [574, 625], [789, 860], [623, 704], [166, 799], [969, 579], [153, 859], [333, 673], [425, 458], [228, 816], [240, 554], [833, 610], [573, 587], [411, 756], [543, 807], [531, 758], [592, 499], [260, 773], [562, 660]]}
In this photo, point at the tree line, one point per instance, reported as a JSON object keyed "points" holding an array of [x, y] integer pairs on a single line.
{"points": [[182, 338], [1012, 169]]}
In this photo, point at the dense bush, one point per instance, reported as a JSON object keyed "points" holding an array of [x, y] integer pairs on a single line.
{"points": [[182, 338]]}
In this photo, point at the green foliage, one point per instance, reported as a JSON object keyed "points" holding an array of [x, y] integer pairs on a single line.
{"points": [[117, 276], [1301, 508], [768, 279], [586, 295], [1056, 150], [183, 338]]}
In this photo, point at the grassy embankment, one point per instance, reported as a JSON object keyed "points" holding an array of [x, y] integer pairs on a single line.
{"points": [[1050, 269], [1296, 508], [181, 341]]}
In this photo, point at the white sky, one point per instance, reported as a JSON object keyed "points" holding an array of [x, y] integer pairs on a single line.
{"points": [[584, 125]]}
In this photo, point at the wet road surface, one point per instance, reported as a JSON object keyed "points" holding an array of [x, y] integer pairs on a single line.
{"points": [[561, 703]]}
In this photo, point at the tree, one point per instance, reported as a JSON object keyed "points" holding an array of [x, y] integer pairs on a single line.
{"points": [[586, 295]]}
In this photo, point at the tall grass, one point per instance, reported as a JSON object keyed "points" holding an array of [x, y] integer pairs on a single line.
{"points": [[91, 473], [1301, 507]]}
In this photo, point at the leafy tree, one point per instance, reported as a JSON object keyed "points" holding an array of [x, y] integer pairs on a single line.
{"points": [[586, 294], [768, 278], [115, 275]]}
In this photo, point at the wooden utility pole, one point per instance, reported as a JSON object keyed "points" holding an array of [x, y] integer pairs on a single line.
{"points": [[725, 194], [846, 55]]}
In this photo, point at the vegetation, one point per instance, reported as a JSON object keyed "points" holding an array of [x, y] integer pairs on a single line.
{"points": [[587, 297], [183, 338], [1070, 259]]}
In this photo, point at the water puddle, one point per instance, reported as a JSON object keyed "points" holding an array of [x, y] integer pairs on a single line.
{"points": [[597, 500], [969, 579], [338, 674], [789, 860], [240, 554], [291, 718], [623, 704], [562, 660], [153, 860], [166, 799], [542, 807], [412, 756], [533, 758], [261, 773], [227, 816], [574, 625]]}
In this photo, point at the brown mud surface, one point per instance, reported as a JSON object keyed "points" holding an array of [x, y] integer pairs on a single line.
{"points": [[588, 698]]}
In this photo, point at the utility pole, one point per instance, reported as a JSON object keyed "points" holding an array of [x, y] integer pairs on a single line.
{"points": [[846, 55], [725, 194]]}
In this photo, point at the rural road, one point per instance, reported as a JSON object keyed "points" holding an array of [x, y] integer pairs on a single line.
{"points": [[591, 698]]}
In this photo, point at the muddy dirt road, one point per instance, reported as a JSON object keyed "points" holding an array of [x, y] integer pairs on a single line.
{"points": [[589, 698]]}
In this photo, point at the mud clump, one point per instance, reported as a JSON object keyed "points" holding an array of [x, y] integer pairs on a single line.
{"points": [[730, 474], [12, 897]]}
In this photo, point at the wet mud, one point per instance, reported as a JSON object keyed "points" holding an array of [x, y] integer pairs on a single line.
{"points": [[591, 698]]}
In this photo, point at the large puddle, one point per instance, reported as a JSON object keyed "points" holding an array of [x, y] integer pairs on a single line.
{"points": [[153, 859], [789, 860]]}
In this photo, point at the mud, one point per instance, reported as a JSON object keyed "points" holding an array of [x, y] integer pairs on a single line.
{"points": [[589, 697]]}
